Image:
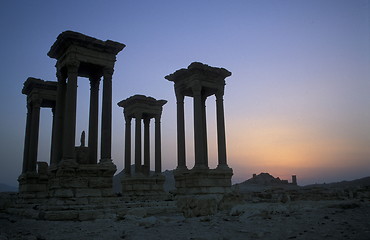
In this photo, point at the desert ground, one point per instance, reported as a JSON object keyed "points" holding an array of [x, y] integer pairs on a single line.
{"points": [[253, 211]]}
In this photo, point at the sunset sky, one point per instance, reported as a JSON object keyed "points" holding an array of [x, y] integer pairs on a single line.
{"points": [[298, 100]]}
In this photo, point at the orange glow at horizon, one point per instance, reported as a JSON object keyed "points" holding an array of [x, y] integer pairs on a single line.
{"points": [[287, 149]]}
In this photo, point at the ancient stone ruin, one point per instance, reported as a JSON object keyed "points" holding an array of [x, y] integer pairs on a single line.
{"points": [[39, 93], [200, 81], [69, 175], [77, 184], [142, 182]]}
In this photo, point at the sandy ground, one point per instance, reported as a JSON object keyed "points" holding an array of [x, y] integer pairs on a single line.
{"points": [[340, 219]]}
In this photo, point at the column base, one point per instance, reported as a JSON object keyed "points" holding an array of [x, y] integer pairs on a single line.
{"points": [[33, 184], [72, 180], [203, 181], [82, 155], [140, 186]]}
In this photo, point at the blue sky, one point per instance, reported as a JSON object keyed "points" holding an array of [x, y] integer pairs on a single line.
{"points": [[297, 101]]}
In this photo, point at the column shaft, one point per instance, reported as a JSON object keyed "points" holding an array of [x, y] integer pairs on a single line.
{"points": [[69, 131], [27, 139], [198, 127], [106, 125], [204, 126], [59, 121], [137, 144], [181, 157], [128, 146], [146, 146], [93, 120], [221, 139], [52, 137], [158, 146], [34, 136]]}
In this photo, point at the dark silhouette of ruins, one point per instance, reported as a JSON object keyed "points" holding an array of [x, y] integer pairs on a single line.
{"points": [[142, 108], [200, 81], [75, 174]]}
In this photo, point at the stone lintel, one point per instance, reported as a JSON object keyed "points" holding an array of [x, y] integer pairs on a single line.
{"points": [[143, 105], [93, 55], [38, 89], [211, 79], [70, 38]]}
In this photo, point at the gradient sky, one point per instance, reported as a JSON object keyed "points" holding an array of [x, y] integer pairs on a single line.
{"points": [[298, 100]]}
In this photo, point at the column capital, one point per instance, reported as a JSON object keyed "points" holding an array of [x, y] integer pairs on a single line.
{"points": [[60, 77], [128, 119], [146, 120], [179, 96], [94, 78], [197, 89], [107, 72], [94, 82], [219, 94], [29, 107], [72, 66], [36, 103], [158, 116], [138, 115]]}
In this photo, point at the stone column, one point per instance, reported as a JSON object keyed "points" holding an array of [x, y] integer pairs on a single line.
{"points": [[106, 120], [27, 139], [146, 146], [181, 159], [93, 119], [34, 135], [204, 126], [59, 120], [128, 146], [158, 150], [137, 143], [52, 138], [221, 140], [198, 126], [69, 130]]}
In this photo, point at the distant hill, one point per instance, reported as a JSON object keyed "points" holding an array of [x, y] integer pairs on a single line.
{"points": [[265, 181], [362, 182], [7, 188]]}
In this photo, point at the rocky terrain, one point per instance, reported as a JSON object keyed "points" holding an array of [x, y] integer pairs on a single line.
{"points": [[252, 211]]}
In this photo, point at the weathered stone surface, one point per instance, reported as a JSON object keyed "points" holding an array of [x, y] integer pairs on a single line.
{"points": [[231, 199], [88, 215], [143, 185], [74, 182], [148, 222], [61, 215], [137, 212], [100, 182], [88, 192], [7, 200], [203, 181], [107, 192], [196, 206], [63, 193]]}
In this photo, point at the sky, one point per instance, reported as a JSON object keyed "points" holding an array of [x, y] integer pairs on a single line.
{"points": [[297, 102]]}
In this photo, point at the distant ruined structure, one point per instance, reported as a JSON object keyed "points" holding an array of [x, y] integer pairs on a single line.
{"points": [[77, 184], [267, 179]]}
